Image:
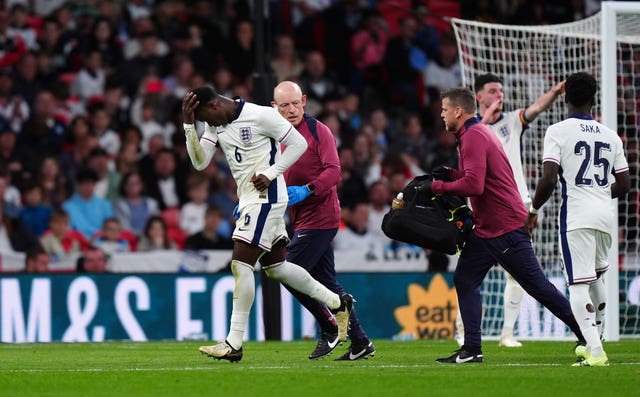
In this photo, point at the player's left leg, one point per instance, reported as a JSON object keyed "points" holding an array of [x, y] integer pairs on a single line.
{"points": [[580, 249], [597, 289], [511, 306]]}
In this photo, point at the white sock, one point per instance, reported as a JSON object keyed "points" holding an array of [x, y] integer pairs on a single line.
{"points": [[299, 279], [243, 295], [585, 315], [511, 301], [598, 294]]}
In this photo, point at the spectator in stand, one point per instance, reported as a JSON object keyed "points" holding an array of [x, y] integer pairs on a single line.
{"points": [[111, 239], [15, 236], [36, 260], [94, 260], [379, 200], [108, 179], [26, 82], [156, 236], [146, 62], [12, 107], [87, 212], [179, 82], [367, 163], [108, 139], [356, 236], [59, 239], [209, 238], [352, 188], [193, 211], [240, 52], [165, 184], [90, 80], [34, 213], [10, 207], [413, 141], [404, 61], [57, 42], [367, 47], [316, 81], [13, 47], [41, 134], [443, 71], [134, 208], [73, 161], [52, 182], [103, 38], [285, 64], [10, 156]]}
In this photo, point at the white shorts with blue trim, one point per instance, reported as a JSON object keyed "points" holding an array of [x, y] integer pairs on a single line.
{"points": [[261, 225], [584, 254]]}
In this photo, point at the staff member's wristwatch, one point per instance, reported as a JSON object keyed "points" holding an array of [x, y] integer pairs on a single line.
{"points": [[311, 187]]}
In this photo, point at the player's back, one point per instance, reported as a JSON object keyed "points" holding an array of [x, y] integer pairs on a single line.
{"points": [[587, 153]]}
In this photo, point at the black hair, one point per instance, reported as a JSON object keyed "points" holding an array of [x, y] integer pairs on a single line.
{"points": [[484, 79], [204, 94], [580, 89]]}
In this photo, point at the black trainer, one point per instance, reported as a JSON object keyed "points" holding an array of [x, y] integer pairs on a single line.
{"points": [[461, 356], [358, 352], [325, 346], [342, 315]]}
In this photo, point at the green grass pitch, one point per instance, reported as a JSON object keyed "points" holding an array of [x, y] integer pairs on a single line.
{"points": [[399, 369]]}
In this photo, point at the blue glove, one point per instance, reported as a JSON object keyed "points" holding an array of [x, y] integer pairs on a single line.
{"points": [[236, 214], [297, 194]]}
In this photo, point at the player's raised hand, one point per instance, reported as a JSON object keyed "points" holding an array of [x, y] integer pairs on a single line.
{"points": [[260, 182], [530, 223], [189, 105]]}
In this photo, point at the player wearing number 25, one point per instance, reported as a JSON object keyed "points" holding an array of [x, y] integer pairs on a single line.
{"points": [[586, 156]]}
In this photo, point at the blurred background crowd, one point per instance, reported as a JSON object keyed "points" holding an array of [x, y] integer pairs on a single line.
{"points": [[92, 150]]}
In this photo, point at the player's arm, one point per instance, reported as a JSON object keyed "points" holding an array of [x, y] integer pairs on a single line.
{"points": [[542, 103], [296, 145], [546, 185], [621, 185], [200, 150]]}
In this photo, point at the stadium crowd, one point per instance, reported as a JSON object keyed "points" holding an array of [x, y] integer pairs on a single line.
{"points": [[92, 151]]}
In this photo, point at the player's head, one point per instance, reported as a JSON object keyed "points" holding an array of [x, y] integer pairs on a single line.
{"points": [[580, 90], [488, 88], [458, 105], [290, 101], [209, 109]]}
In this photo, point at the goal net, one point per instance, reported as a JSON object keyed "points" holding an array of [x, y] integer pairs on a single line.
{"points": [[530, 60]]}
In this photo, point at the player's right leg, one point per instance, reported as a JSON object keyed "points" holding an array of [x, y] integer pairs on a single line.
{"points": [[244, 256], [579, 252], [511, 308]]}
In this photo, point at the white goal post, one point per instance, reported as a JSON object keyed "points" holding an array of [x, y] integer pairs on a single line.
{"points": [[530, 60]]}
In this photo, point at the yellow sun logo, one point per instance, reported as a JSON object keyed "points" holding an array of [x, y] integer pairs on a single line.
{"points": [[431, 313]]}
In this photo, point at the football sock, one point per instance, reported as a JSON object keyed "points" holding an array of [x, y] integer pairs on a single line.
{"points": [[598, 297], [299, 279], [585, 315], [243, 296], [512, 298]]}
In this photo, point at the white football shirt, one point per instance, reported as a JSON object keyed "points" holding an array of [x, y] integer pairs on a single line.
{"points": [[588, 153], [509, 129], [251, 144]]}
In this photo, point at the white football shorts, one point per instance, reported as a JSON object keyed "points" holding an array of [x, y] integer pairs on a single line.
{"points": [[261, 225], [584, 254]]}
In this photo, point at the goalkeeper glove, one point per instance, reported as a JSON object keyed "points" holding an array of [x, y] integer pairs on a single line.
{"points": [[297, 194]]}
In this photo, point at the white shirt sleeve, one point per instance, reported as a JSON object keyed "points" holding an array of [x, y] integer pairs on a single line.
{"points": [[200, 150], [296, 146]]}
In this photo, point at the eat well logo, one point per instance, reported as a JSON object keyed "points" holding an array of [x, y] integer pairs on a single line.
{"points": [[431, 312]]}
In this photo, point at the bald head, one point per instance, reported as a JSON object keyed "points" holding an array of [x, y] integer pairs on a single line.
{"points": [[290, 101]]}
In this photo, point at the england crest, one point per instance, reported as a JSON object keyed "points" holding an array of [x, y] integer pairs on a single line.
{"points": [[245, 135]]}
